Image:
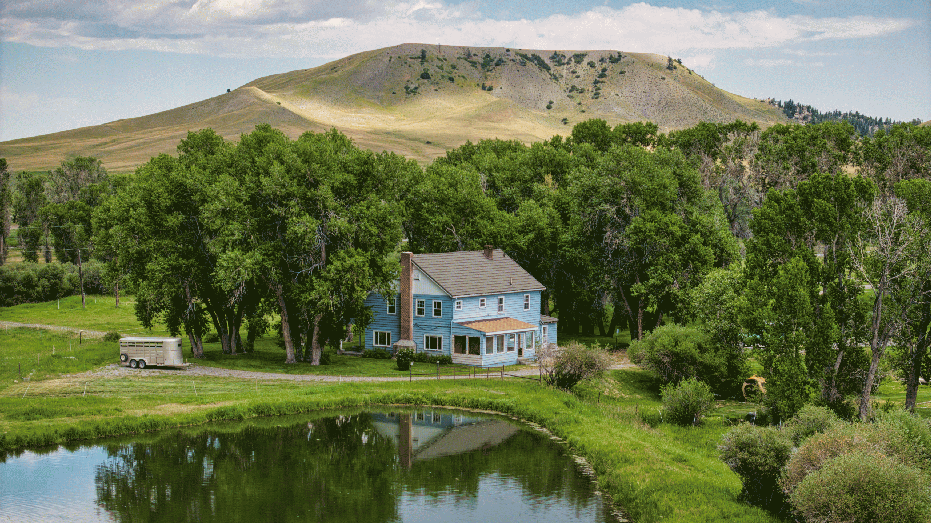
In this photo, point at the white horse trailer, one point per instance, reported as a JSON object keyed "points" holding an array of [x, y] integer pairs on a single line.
{"points": [[139, 352]]}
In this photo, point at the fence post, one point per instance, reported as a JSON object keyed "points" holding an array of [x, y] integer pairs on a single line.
{"points": [[437, 370]]}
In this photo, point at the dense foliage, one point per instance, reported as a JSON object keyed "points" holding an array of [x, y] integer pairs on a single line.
{"points": [[687, 402]]}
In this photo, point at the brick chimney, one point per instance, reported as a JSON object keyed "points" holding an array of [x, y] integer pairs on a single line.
{"points": [[406, 303], [489, 252]]}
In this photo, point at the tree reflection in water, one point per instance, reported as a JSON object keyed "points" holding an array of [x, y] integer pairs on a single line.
{"points": [[342, 468]]}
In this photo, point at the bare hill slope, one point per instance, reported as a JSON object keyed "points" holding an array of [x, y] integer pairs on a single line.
{"points": [[420, 100]]}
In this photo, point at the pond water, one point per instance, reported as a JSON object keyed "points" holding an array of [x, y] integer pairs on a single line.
{"points": [[423, 465]]}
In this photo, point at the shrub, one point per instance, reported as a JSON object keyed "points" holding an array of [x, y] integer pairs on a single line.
{"points": [[864, 486], [566, 366], [112, 336], [327, 356], [809, 421], [687, 403], [676, 352], [423, 357], [758, 455], [378, 354], [899, 435], [425, 75], [211, 337], [405, 357]]}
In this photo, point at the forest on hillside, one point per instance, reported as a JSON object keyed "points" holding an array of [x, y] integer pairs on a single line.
{"points": [[812, 244], [864, 125]]}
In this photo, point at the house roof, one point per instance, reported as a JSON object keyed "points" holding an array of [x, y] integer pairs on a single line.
{"points": [[548, 319], [470, 273], [497, 325]]}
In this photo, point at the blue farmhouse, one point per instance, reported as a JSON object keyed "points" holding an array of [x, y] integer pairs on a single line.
{"points": [[479, 307]]}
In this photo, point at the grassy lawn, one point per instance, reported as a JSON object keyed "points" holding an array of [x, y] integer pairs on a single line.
{"points": [[101, 314], [653, 472]]}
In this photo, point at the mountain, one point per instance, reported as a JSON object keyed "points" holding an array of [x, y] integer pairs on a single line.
{"points": [[420, 100]]}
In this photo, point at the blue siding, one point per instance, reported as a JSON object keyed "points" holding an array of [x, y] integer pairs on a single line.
{"points": [[446, 327], [381, 321]]}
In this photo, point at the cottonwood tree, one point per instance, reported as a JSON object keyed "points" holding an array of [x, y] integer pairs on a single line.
{"points": [[914, 338], [6, 204], [316, 222], [888, 256], [28, 201], [74, 189], [901, 153]]}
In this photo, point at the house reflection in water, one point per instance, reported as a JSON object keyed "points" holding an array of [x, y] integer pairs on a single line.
{"points": [[428, 434]]}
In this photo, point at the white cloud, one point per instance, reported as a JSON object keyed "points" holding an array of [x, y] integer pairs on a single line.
{"points": [[326, 29], [780, 62]]}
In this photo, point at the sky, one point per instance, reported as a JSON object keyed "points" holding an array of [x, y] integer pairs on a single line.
{"points": [[71, 63]]}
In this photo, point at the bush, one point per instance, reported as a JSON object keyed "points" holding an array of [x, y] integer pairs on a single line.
{"points": [[758, 455], [405, 357], [112, 336], [686, 403], [565, 367], [809, 421], [864, 486], [899, 435], [675, 353], [327, 356], [423, 357], [378, 354], [211, 337]]}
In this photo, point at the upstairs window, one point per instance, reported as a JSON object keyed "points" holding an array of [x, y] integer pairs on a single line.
{"points": [[481, 303], [392, 305], [458, 305], [526, 302], [500, 304], [437, 309], [421, 307]]}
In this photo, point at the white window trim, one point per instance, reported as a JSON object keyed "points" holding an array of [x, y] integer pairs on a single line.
{"points": [[435, 303], [507, 342], [417, 307], [526, 302], [482, 302], [426, 346], [375, 338], [500, 304], [458, 305], [545, 335], [389, 303]]}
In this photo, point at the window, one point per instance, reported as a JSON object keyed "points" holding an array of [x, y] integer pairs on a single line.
{"points": [[475, 345], [421, 306], [481, 303], [526, 302], [489, 345], [382, 339], [500, 304], [437, 309], [459, 344], [392, 305], [544, 340], [458, 305], [511, 343], [433, 343], [436, 417], [500, 342]]}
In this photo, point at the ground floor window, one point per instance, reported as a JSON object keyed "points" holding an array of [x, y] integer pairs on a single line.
{"points": [[500, 341], [467, 345], [490, 345], [475, 345], [382, 339], [512, 343], [433, 343], [545, 337]]}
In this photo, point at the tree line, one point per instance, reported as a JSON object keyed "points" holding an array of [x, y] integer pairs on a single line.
{"points": [[821, 236]]}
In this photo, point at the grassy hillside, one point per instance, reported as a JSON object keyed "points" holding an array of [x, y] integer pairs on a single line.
{"points": [[420, 100]]}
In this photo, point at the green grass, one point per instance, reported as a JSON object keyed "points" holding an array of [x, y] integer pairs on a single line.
{"points": [[269, 357], [37, 354], [653, 473], [101, 314]]}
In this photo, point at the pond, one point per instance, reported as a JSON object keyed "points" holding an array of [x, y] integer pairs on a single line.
{"points": [[420, 465]]}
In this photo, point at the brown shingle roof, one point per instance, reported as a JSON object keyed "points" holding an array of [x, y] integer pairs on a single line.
{"points": [[470, 273], [498, 325]]}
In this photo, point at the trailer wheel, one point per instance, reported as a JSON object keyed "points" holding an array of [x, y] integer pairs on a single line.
{"points": [[141, 364], [133, 363], [123, 358]]}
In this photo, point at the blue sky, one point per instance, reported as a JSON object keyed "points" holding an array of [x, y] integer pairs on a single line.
{"points": [[71, 63]]}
